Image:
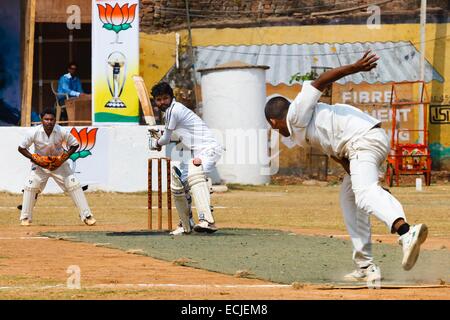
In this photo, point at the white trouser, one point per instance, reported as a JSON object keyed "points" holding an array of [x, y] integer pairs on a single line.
{"points": [[362, 195], [58, 175], [63, 176], [209, 158], [358, 225]]}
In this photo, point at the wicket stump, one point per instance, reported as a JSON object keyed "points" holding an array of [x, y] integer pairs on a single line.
{"points": [[160, 192]]}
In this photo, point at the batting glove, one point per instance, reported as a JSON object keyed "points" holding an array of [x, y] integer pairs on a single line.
{"points": [[153, 144], [155, 133]]}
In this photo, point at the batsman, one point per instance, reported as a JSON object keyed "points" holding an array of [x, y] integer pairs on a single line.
{"points": [[191, 182], [49, 160]]}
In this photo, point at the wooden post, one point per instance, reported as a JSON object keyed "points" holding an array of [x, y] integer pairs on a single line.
{"points": [[191, 52], [27, 79]]}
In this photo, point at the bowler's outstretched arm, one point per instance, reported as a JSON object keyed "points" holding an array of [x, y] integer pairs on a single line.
{"points": [[366, 63]]}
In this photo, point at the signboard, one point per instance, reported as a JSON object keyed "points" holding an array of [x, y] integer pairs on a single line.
{"points": [[374, 99], [115, 59], [440, 114]]}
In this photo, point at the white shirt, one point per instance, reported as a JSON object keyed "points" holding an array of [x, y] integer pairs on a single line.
{"points": [[192, 131], [326, 127], [49, 145]]}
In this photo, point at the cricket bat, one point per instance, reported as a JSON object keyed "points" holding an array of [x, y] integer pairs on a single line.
{"points": [[144, 98]]}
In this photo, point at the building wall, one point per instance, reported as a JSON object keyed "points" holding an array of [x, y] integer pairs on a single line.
{"points": [[164, 15], [117, 161], [159, 51], [58, 11]]}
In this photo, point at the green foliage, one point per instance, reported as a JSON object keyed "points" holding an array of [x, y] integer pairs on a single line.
{"points": [[302, 77]]}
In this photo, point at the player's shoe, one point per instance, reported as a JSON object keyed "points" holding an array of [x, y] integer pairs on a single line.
{"points": [[25, 222], [369, 274], [180, 230], [90, 221], [205, 226], [411, 242]]}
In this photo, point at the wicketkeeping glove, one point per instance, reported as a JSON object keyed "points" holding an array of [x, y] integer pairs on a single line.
{"points": [[49, 162], [43, 161], [58, 161]]}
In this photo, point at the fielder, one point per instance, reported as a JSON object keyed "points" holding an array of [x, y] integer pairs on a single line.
{"points": [[49, 160], [357, 141], [192, 179]]}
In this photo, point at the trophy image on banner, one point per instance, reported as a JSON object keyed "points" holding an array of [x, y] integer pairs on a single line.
{"points": [[116, 76]]}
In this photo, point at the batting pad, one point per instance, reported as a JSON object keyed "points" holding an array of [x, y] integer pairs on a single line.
{"points": [[28, 202], [30, 193], [179, 197], [200, 192], [80, 201]]}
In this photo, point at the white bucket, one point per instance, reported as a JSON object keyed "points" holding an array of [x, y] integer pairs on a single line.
{"points": [[419, 184]]}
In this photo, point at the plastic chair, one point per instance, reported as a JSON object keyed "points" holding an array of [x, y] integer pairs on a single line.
{"points": [[58, 96]]}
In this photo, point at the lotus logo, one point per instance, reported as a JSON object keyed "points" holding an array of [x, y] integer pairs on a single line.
{"points": [[116, 18], [86, 140]]}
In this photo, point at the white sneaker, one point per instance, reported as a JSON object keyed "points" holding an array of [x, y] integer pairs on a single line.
{"points": [[180, 230], [25, 222], [371, 273], [90, 221], [411, 242], [205, 226]]}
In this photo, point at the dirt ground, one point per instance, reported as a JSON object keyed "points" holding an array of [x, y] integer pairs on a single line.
{"points": [[34, 267]]}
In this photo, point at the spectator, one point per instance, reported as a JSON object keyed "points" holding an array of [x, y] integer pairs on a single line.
{"points": [[70, 83]]}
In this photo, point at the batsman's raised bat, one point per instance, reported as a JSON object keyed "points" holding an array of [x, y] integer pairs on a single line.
{"points": [[144, 98]]}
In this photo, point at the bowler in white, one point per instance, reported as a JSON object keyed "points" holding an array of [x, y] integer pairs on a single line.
{"points": [[357, 141]]}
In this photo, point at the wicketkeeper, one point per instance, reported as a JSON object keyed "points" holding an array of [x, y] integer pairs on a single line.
{"points": [[49, 160], [358, 142], [192, 179]]}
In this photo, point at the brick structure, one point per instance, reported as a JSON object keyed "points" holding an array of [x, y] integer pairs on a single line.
{"points": [[167, 15]]}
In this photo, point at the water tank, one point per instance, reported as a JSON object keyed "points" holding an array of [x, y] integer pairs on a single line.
{"points": [[233, 97]]}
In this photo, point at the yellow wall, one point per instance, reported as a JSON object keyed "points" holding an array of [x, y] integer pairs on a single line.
{"points": [[158, 51], [157, 55]]}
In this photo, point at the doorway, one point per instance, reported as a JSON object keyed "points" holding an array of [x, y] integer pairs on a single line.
{"points": [[55, 47]]}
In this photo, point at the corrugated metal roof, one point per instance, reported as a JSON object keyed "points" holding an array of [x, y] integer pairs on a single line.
{"points": [[232, 65], [399, 61]]}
